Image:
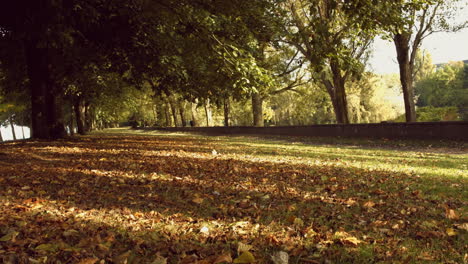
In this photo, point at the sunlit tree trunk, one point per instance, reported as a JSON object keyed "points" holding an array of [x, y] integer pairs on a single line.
{"points": [[227, 109], [402, 44], [167, 115], [183, 120], [79, 109], [193, 110], [208, 113], [257, 110]]}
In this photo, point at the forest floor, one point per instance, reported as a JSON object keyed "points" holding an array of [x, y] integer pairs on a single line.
{"points": [[123, 196]]}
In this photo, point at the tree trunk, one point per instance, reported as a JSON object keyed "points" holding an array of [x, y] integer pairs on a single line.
{"points": [[1, 138], [167, 115], [12, 128], [89, 120], [46, 114], [402, 42], [257, 110], [22, 132], [337, 93], [208, 113], [173, 105], [226, 111], [72, 123], [183, 120], [193, 110], [79, 109]]}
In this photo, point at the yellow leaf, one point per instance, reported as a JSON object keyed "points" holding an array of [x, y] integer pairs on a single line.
{"points": [[9, 236], [351, 240], [369, 204], [241, 247], [451, 232], [198, 200], [245, 257], [47, 247]]}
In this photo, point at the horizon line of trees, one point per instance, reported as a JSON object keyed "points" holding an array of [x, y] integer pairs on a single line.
{"points": [[92, 64]]}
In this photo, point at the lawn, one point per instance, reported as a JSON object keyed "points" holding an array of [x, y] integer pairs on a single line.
{"points": [[124, 196]]}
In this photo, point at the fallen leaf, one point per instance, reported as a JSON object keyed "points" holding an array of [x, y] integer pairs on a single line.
{"points": [[88, 261], [451, 232], [47, 247], [280, 257], [369, 204], [241, 247], [245, 257], [451, 214], [11, 235], [223, 258], [198, 200]]}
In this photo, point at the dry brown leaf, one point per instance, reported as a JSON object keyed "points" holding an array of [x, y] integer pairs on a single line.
{"points": [[88, 261], [223, 258]]}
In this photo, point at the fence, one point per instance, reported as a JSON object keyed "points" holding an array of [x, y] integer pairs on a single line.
{"points": [[422, 130]]}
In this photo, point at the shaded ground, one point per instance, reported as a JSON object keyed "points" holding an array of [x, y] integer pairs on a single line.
{"points": [[122, 198]]}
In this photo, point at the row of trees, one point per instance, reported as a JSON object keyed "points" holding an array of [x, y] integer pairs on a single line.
{"points": [[92, 63]]}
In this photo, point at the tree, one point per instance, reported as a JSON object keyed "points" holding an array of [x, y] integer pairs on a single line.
{"points": [[330, 37], [408, 27]]}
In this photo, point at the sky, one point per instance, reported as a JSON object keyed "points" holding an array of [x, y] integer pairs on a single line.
{"points": [[443, 47]]}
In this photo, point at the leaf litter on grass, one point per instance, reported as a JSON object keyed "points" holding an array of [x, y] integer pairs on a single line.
{"points": [[163, 199]]}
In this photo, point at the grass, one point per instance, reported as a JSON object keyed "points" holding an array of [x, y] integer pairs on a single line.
{"points": [[143, 196]]}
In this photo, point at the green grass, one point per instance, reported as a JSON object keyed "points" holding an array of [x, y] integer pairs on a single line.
{"points": [[149, 193]]}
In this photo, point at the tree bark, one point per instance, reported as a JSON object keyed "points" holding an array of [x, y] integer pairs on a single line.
{"points": [[12, 125], [173, 106], [22, 132], [46, 114], [402, 45], [167, 115], [337, 92], [80, 115], [72, 123], [257, 110], [227, 109], [183, 120], [193, 109], [208, 113]]}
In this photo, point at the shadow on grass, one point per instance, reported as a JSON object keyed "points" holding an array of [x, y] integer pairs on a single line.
{"points": [[145, 175]]}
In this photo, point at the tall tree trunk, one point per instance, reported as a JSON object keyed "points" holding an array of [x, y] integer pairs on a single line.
{"points": [[402, 45], [193, 110], [72, 123], [227, 109], [80, 115], [167, 115], [173, 105], [22, 132], [183, 120], [88, 117], [46, 114], [12, 125], [257, 110], [337, 93], [208, 113]]}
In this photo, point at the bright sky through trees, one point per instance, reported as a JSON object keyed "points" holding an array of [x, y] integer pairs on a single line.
{"points": [[443, 47]]}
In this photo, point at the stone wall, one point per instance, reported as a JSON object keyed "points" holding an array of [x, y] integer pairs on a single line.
{"points": [[420, 130]]}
